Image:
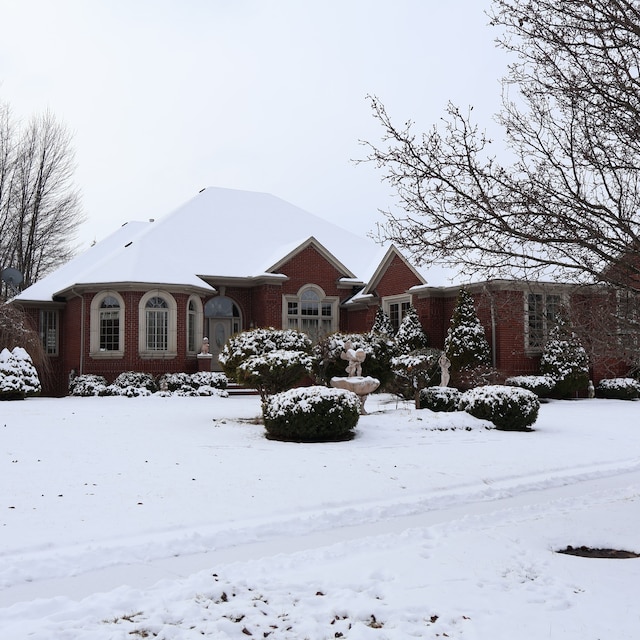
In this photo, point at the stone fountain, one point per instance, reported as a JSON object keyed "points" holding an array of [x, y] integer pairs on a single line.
{"points": [[354, 381]]}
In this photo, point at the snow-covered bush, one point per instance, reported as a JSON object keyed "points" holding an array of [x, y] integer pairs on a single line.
{"points": [[135, 379], [257, 342], [415, 371], [212, 379], [439, 398], [88, 385], [382, 324], [29, 374], [410, 335], [540, 385], [509, 408], [618, 388], [311, 414], [466, 345], [566, 361], [328, 362], [274, 371], [12, 385]]}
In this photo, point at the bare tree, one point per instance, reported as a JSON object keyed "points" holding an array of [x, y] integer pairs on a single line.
{"points": [[564, 198], [39, 205]]}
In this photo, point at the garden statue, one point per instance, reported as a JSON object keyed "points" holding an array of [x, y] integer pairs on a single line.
{"points": [[591, 390], [204, 349], [355, 357], [444, 363], [361, 386]]}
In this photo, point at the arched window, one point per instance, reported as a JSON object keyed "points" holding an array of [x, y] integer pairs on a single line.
{"points": [[194, 325], [107, 325], [311, 311], [157, 325]]}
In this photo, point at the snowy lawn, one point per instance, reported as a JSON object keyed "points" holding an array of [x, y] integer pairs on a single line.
{"points": [[176, 518]]}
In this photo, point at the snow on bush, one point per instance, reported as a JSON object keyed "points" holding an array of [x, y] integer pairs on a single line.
{"points": [[566, 361], [509, 408], [12, 385], [135, 384], [439, 398], [28, 371], [88, 385], [258, 342], [540, 385], [411, 335], [465, 344], [618, 388], [382, 324], [414, 371], [274, 371], [311, 414]]}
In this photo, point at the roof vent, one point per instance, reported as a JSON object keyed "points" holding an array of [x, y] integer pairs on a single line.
{"points": [[152, 219]]}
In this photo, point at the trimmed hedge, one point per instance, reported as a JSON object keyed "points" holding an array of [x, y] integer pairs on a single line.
{"points": [[542, 386], [440, 398], [311, 414], [509, 408], [618, 389]]}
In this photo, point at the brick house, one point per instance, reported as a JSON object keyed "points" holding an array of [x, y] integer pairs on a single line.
{"points": [[143, 298]]}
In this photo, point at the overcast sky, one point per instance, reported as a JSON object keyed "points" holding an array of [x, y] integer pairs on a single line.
{"points": [[166, 97]]}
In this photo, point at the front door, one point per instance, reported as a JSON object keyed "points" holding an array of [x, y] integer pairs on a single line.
{"points": [[219, 333]]}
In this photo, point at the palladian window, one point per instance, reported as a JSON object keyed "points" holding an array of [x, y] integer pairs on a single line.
{"points": [[311, 312]]}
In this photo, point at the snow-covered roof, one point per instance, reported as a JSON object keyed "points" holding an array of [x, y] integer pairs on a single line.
{"points": [[221, 233]]}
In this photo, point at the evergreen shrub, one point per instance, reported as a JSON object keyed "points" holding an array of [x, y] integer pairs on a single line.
{"points": [[12, 385], [88, 385], [311, 414], [509, 408], [566, 361], [618, 389], [440, 398], [540, 385], [274, 371]]}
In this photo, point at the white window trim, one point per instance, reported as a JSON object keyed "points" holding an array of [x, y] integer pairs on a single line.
{"points": [[333, 300], [387, 301], [172, 330], [198, 329], [94, 326]]}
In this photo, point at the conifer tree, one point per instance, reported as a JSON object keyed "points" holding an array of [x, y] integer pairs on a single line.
{"points": [[565, 360], [466, 345], [411, 335], [382, 324]]}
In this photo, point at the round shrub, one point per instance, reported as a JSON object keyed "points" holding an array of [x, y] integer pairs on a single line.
{"points": [[542, 386], [213, 379], [311, 414], [274, 371], [88, 385], [256, 342], [618, 389], [135, 379], [509, 408], [439, 398]]}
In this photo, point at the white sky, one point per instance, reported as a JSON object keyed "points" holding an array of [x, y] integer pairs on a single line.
{"points": [[165, 98]]}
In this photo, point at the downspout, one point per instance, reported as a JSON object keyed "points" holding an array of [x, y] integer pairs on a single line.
{"points": [[82, 309]]}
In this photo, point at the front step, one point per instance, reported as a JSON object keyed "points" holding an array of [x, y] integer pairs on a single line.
{"points": [[234, 389]]}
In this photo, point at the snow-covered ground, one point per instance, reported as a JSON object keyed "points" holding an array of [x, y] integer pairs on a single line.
{"points": [[175, 518]]}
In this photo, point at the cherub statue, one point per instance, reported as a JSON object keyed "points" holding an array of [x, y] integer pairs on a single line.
{"points": [[355, 357]]}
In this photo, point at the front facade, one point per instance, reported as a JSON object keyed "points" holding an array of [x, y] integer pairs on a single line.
{"points": [[153, 317]]}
